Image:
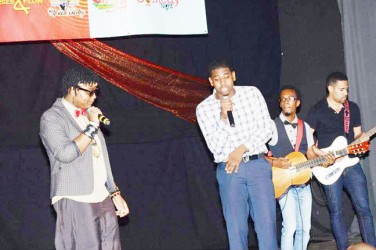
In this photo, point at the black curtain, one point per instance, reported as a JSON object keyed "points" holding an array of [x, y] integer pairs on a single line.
{"points": [[160, 162]]}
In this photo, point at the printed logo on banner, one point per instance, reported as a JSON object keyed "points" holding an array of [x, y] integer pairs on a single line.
{"points": [[21, 5], [64, 8], [164, 4], [110, 5]]}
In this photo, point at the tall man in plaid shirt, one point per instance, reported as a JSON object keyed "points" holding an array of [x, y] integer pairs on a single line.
{"points": [[244, 176]]}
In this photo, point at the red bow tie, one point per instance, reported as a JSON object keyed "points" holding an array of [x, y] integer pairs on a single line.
{"points": [[78, 112]]}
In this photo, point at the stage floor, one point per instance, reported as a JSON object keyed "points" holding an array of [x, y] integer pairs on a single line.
{"points": [[327, 244], [331, 244]]}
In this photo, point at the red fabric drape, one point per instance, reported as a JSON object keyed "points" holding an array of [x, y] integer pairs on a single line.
{"points": [[171, 90]]}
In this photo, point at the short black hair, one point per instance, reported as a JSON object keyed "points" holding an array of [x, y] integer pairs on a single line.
{"points": [[77, 75], [217, 64], [335, 77], [291, 87]]}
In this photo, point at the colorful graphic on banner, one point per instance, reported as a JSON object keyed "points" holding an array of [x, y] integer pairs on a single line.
{"points": [[32, 20]]}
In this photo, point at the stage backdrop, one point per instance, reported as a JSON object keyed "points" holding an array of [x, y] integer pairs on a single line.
{"points": [[65, 19], [160, 161]]}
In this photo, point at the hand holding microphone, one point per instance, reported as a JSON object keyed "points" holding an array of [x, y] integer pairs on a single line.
{"points": [[95, 115], [226, 110]]}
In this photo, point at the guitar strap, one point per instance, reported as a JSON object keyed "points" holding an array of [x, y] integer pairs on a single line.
{"points": [[346, 118], [299, 135]]}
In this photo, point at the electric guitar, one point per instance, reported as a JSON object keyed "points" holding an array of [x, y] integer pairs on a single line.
{"points": [[300, 170], [329, 175]]}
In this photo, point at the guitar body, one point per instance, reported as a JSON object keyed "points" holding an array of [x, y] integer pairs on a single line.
{"points": [[284, 178], [329, 175], [300, 170]]}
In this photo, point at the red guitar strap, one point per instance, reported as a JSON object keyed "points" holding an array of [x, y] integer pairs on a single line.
{"points": [[346, 117], [299, 135]]}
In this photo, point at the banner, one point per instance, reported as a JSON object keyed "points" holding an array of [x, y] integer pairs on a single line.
{"points": [[31, 20]]}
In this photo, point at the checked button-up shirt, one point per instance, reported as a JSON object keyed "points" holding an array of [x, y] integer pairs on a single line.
{"points": [[253, 126]]}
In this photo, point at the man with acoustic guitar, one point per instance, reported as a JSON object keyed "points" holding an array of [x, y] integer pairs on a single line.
{"points": [[333, 117], [291, 184]]}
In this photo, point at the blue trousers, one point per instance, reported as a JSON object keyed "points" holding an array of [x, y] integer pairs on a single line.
{"points": [[354, 180], [296, 207], [247, 193]]}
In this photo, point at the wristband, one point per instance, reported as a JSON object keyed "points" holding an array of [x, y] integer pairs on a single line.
{"points": [[116, 193], [95, 124], [90, 131]]}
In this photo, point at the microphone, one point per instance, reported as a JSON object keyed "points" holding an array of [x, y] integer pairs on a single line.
{"points": [[231, 118], [229, 115], [104, 119]]}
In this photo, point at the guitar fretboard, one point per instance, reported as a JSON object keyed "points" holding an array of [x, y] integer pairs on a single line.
{"points": [[369, 133], [319, 160]]}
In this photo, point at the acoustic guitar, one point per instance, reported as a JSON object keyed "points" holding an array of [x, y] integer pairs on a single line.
{"points": [[300, 170]]}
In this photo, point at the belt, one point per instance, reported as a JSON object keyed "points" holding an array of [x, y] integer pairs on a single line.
{"points": [[248, 158]]}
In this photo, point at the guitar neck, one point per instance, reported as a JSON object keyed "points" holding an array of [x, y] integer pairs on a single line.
{"points": [[369, 133], [319, 160]]}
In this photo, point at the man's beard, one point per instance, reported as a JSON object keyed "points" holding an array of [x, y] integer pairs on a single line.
{"points": [[287, 114]]}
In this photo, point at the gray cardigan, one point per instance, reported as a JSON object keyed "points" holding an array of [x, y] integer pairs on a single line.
{"points": [[71, 172]]}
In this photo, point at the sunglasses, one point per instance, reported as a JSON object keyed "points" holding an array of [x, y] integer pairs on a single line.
{"points": [[91, 92]]}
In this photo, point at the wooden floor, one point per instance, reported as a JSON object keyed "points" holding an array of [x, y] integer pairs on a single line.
{"points": [[328, 244], [331, 244]]}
